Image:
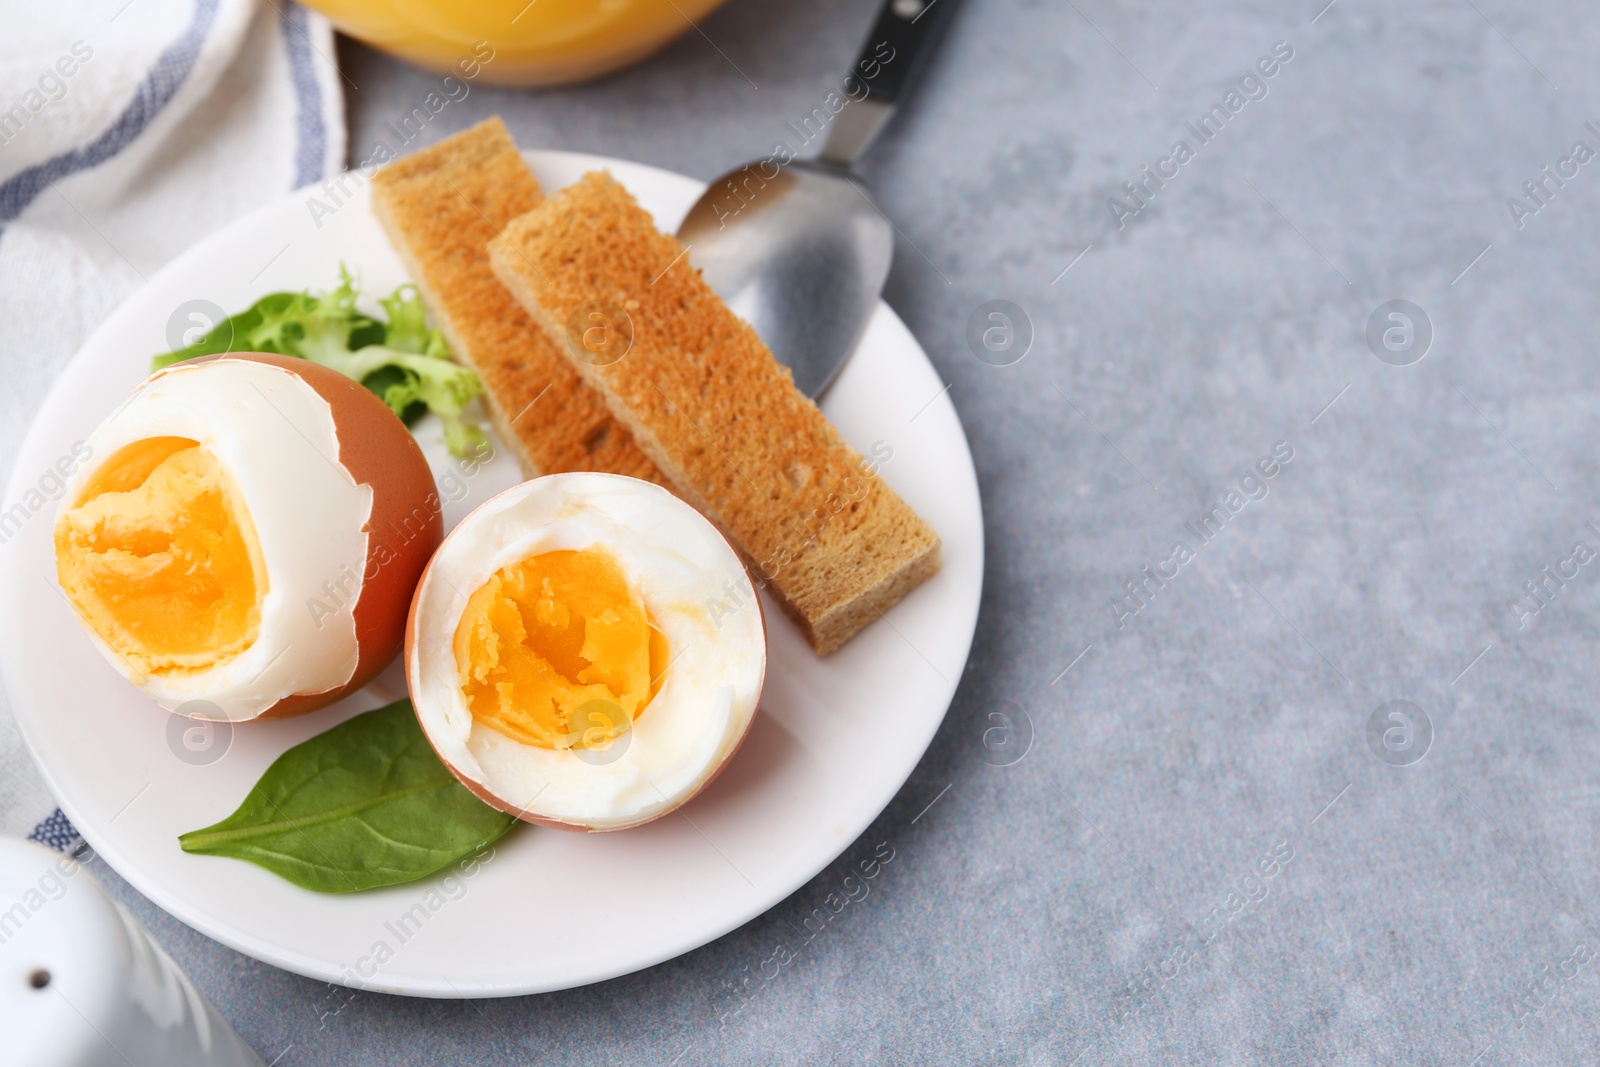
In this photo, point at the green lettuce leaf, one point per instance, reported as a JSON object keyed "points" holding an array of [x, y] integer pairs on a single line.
{"points": [[404, 361]]}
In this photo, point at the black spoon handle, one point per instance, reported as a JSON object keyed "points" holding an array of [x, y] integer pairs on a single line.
{"points": [[899, 45], [892, 56]]}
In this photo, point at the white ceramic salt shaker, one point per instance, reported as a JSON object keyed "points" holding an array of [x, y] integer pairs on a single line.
{"points": [[83, 985]]}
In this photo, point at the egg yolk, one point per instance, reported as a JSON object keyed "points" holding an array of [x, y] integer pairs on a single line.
{"points": [[161, 559], [546, 636]]}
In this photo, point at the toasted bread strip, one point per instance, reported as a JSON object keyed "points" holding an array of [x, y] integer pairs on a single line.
{"points": [[707, 402], [440, 208]]}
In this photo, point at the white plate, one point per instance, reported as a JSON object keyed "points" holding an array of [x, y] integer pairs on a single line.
{"points": [[834, 741]]}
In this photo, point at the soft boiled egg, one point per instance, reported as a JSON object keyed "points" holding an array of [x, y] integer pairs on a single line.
{"points": [[586, 651], [249, 544]]}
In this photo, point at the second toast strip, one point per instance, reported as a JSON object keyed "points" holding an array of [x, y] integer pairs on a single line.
{"points": [[707, 402]]}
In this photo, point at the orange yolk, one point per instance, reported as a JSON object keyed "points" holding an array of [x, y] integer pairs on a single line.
{"points": [[545, 636], [161, 559]]}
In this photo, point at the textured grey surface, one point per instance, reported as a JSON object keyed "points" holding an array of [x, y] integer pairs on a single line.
{"points": [[1065, 909]]}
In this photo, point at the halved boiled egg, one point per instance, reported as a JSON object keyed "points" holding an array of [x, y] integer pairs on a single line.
{"points": [[249, 538], [586, 651]]}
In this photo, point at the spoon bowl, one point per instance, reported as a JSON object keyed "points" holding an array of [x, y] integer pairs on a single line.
{"points": [[800, 249], [799, 252]]}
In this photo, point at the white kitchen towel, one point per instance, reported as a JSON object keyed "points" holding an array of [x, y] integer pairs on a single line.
{"points": [[130, 129]]}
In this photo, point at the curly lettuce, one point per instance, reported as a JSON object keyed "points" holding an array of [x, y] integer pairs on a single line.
{"points": [[404, 360]]}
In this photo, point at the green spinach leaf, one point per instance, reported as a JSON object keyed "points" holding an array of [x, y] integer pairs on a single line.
{"points": [[364, 804]]}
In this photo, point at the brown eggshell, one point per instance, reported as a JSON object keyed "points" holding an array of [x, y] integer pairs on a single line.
{"points": [[482, 792], [378, 450]]}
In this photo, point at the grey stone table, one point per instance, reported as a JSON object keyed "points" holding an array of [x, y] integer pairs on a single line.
{"points": [[1203, 831]]}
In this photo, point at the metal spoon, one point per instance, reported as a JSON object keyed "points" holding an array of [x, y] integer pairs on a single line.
{"points": [[799, 248]]}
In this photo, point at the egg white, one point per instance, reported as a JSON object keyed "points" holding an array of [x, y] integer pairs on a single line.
{"points": [[275, 436], [698, 594]]}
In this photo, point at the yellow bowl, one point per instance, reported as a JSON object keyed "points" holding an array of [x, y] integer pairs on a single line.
{"points": [[517, 42]]}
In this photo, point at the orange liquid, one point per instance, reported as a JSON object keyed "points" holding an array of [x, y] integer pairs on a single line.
{"points": [[545, 42]]}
